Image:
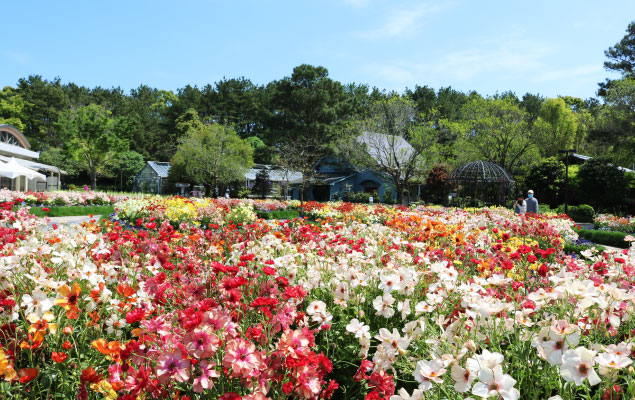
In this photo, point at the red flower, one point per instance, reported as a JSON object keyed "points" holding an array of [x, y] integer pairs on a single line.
{"points": [[45, 209], [59, 357], [89, 375], [27, 374], [230, 396]]}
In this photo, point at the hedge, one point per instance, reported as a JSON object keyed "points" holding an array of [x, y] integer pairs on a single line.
{"points": [[615, 239], [71, 211], [572, 248], [282, 214]]}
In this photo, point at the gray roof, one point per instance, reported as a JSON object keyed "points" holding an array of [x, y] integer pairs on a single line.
{"points": [[161, 168], [585, 158], [276, 174], [381, 147]]}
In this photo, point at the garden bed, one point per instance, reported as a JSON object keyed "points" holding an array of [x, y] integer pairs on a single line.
{"points": [[608, 238], [282, 214]]}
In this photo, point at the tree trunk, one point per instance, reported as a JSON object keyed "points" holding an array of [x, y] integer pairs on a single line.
{"points": [[93, 180]]}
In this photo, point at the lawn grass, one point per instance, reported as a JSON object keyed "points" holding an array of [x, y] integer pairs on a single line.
{"points": [[283, 214], [71, 211]]}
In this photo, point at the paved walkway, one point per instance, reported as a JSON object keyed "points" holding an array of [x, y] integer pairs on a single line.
{"points": [[72, 220]]}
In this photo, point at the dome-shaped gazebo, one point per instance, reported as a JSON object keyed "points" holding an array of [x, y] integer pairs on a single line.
{"points": [[479, 183]]}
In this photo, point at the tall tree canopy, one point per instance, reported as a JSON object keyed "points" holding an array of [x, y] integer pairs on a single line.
{"points": [[210, 155], [556, 127], [92, 139], [308, 111]]}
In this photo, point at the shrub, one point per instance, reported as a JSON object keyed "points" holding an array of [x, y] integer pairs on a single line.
{"points": [[357, 197], [581, 213], [602, 184], [615, 239]]}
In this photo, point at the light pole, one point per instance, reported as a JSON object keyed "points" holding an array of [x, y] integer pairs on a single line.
{"points": [[566, 178]]}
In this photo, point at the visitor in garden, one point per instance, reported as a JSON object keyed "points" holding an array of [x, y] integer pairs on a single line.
{"points": [[520, 206], [227, 193], [532, 203]]}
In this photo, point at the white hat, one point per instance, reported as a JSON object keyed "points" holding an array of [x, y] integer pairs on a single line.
{"points": [[530, 191]]}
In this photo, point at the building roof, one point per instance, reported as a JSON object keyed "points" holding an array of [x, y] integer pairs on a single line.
{"points": [[382, 148], [161, 168], [276, 173], [36, 165], [586, 158]]}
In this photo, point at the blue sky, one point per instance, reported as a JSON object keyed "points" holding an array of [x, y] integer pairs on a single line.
{"points": [[548, 47]]}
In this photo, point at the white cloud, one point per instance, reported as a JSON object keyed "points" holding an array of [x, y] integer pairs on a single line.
{"points": [[403, 22], [17, 57], [567, 73]]}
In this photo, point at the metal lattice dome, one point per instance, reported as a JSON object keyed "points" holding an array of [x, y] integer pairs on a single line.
{"points": [[479, 183], [481, 171]]}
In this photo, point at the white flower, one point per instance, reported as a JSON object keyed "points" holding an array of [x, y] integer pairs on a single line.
{"points": [[404, 308], [38, 302], [422, 307], [341, 291], [464, 377], [488, 360], [358, 328], [383, 305], [495, 383], [427, 372], [403, 395], [611, 362], [114, 325], [316, 307], [577, 365], [393, 341], [389, 283]]}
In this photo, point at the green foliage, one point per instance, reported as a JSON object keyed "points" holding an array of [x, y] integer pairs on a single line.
{"points": [[495, 130], [546, 178], [608, 238], [57, 156], [358, 197], [435, 184], [598, 173], [556, 127], [69, 211], [127, 165], [282, 214], [572, 248], [12, 108], [92, 139], [211, 155], [622, 55], [262, 184], [580, 213]]}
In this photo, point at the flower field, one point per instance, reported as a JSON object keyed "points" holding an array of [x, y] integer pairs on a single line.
{"points": [[198, 299], [61, 198], [615, 223]]}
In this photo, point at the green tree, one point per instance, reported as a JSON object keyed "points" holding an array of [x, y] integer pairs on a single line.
{"points": [[621, 58], [44, 102], [126, 166], [615, 130], [308, 110], [602, 184], [12, 108], [556, 127], [546, 178], [394, 143], [211, 155], [92, 139], [495, 130], [532, 103]]}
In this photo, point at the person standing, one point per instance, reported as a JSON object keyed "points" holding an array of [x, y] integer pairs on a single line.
{"points": [[532, 202], [520, 206]]}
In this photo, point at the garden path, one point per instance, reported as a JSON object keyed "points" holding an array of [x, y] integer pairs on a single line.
{"points": [[72, 220]]}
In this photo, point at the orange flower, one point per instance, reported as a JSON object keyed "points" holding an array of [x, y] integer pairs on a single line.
{"points": [[67, 345], [111, 350], [59, 357], [90, 375], [27, 374], [69, 300], [36, 341]]}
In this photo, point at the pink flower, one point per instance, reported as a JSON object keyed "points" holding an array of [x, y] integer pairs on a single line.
{"points": [[201, 344], [208, 373], [243, 359], [173, 366], [138, 381]]}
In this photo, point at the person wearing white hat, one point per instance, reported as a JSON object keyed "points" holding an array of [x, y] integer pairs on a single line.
{"points": [[532, 202]]}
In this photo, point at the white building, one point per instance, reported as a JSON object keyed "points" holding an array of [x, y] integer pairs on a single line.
{"points": [[13, 144]]}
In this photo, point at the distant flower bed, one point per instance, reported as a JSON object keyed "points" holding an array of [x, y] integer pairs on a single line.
{"points": [[61, 198], [615, 223]]}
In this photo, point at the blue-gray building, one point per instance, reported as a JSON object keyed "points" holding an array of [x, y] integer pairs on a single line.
{"points": [[336, 177]]}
